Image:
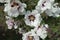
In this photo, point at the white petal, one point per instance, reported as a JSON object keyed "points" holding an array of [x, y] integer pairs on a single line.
{"points": [[2, 1], [36, 37], [15, 26], [46, 25], [42, 33], [9, 27], [24, 5]]}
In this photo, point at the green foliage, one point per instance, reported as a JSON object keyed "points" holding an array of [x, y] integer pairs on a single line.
{"points": [[30, 4]]}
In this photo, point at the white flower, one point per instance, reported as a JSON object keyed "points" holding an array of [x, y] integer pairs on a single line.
{"points": [[41, 31], [5, 1], [15, 8], [36, 32], [49, 7], [11, 24], [2, 1], [30, 36], [54, 11], [33, 18], [44, 5]]}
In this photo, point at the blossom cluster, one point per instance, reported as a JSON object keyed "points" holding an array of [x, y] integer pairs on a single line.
{"points": [[14, 8]]}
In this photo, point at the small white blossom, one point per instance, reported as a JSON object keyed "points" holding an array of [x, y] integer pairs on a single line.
{"points": [[30, 36], [33, 18], [41, 31], [3, 1], [15, 8], [54, 11], [44, 5], [49, 7], [11, 24], [36, 32]]}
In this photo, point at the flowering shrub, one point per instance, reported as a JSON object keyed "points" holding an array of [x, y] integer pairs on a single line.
{"points": [[29, 20]]}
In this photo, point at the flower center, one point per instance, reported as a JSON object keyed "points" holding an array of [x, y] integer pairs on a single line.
{"points": [[14, 4], [43, 3], [31, 18], [30, 37]]}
